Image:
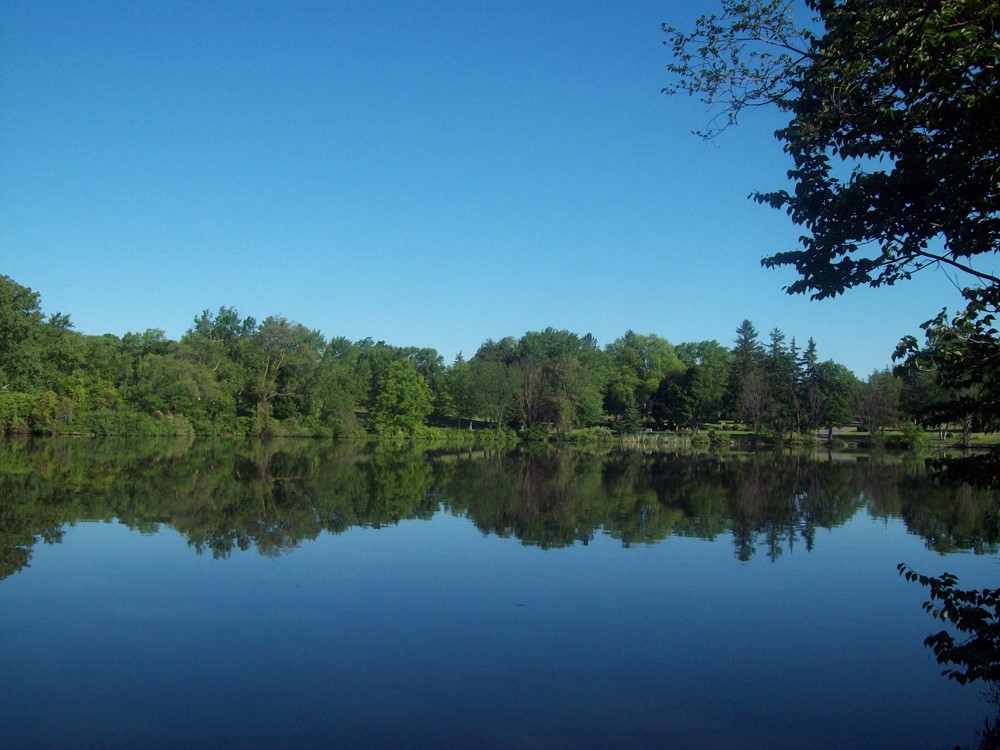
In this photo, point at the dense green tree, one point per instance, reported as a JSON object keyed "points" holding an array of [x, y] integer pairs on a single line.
{"points": [[105, 358], [145, 352], [21, 322], [171, 384], [748, 357], [574, 392], [431, 365], [836, 387], [461, 390], [696, 395], [222, 341], [562, 378], [497, 386], [548, 345], [61, 351], [638, 364], [671, 404], [620, 395], [139, 346], [964, 356], [336, 390], [877, 401], [373, 359], [283, 358], [784, 414], [225, 325], [403, 402], [504, 350], [340, 362]]}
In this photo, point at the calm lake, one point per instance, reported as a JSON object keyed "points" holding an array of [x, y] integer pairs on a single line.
{"points": [[308, 594]]}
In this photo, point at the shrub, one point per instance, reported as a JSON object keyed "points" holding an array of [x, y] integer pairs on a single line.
{"points": [[914, 438], [15, 409], [537, 433]]}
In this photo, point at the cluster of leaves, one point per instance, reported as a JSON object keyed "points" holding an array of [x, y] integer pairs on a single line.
{"points": [[963, 356], [973, 612], [892, 127], [902, 96], [745, 57]]}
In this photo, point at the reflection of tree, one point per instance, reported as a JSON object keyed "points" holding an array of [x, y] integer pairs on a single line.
{"points": [[273, 495], [400, 487], [546, 499], [22, 523], [640, 508], [960, 518], [778, 499]]}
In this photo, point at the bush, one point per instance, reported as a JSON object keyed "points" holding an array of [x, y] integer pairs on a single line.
{"points": [[177, 424], [537, 433], [15, 409], [914, 438], [111, 422]]}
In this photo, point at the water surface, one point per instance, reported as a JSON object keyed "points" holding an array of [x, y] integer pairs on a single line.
{"points": [[302, 594]]}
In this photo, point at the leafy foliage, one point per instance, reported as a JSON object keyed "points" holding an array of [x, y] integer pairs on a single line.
{"points": [[404, 401], [877, 402], [973, 612], [963, 355], [748, 56], [895, 140]]}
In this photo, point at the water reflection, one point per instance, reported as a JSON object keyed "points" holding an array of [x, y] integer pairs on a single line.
{"points": [[272, 496], [555, 620]]}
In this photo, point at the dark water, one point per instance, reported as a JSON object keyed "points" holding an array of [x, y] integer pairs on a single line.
{"points": [[306, 595]]}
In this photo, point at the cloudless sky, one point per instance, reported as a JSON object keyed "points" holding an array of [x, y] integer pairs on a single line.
{"points": [[426, 173]]}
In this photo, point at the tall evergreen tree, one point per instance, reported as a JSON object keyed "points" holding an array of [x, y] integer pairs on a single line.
{"points": [[748, 357]]}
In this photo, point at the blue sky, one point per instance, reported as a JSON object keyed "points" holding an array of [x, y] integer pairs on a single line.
{"points": [[430, 174]]}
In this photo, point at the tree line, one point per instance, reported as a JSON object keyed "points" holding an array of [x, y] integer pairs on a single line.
{"points": [[230, 374]]}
